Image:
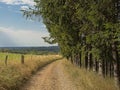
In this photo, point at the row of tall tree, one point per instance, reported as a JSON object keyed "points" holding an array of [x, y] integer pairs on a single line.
{"points": [[87, 32]]}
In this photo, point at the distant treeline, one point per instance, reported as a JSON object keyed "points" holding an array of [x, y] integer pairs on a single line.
{"points": [[31, 50]]}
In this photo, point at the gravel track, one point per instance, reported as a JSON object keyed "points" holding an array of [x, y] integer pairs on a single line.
{"points": [[51, 77]]}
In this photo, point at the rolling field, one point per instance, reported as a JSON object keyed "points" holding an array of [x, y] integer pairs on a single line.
{"points": [[13, 73]]}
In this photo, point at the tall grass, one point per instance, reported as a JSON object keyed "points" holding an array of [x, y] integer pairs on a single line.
{"points": [[15, 74], [87, 80]]}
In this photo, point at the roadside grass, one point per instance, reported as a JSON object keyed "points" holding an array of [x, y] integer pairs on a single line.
{"points": [[16, 74], [87, 80]]}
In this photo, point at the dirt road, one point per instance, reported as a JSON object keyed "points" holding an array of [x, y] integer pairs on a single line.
{"points": [[51, 77]]}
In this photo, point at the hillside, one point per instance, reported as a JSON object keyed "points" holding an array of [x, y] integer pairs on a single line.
{"points": [[32, 50]]}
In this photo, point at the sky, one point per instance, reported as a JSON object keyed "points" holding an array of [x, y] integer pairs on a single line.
{"points": [[15, 29]]}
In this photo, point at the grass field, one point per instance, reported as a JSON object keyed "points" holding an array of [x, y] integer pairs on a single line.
{"points": [[14, 74], [87, 80]]}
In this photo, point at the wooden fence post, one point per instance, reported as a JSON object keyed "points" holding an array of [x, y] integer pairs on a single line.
{"points": [[22, 59], [6, 59]]}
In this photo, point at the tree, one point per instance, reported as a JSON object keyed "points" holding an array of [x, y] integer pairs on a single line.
{"points": [[83, 27]]}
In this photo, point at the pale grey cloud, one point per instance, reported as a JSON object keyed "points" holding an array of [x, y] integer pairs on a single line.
{"points": [[11, 37]]}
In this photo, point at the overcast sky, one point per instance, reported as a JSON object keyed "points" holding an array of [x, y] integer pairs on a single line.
{"points": [[15, 30]]}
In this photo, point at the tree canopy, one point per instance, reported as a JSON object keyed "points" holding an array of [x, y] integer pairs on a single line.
{"points": [[87, 27], [76, 24]]}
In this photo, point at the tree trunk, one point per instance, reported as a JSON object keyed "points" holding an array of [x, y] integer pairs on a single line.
{"points": [[80, 59], [116, 65], [89, 61], [71, 59], [100, 72], [94, 65], [110, 69], [86, 60], [103, 68], [74, 59], [116, 77], [77, 59], [106, 67]]}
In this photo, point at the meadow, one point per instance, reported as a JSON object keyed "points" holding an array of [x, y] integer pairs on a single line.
{"points": [[14, 74]]}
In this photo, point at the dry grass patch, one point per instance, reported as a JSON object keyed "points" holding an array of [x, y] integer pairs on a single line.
{"points": [[15, 74], [87, 80]]}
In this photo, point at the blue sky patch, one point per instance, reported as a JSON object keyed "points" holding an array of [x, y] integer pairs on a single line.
{"points": [[15, 30]]}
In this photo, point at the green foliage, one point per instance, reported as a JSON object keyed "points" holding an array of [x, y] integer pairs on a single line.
{"points": [[78, 24]]}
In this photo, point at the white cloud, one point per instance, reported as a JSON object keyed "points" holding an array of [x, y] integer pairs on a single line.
{"points": [[18, 2], [24, 8], [22, 37]]}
